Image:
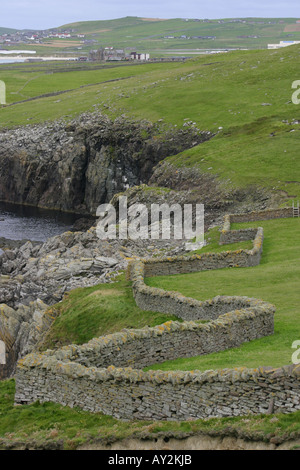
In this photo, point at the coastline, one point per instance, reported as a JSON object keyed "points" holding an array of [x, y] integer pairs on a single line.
{"points": [[13, 59]]}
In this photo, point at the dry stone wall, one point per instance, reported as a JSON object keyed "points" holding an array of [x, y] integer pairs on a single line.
{"points": [[105, 375], [267, 214], [133, 394], [207, 261], [232, 236], [159, 300]]}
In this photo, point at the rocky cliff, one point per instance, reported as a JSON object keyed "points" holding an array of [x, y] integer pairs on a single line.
{"points": [[78, 165]]}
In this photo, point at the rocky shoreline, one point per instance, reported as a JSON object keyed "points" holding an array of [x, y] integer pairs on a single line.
{"points": [[34, 277]]}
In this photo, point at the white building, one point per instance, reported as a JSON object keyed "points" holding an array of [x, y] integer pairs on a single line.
{"points": [[138, 56], [282, 44]]}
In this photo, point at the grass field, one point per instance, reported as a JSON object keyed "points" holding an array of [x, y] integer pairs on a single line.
{"points": [[156, 35], [95, 311], [28, 80], [244, 97], [275, 280]]}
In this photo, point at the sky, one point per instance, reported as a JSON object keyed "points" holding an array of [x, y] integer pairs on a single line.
{"points": [[38, 14]]}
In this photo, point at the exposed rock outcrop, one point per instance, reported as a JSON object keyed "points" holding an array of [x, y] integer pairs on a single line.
{"points": [[218, 196], [35, 277], [75, 166], [78, 165], [21, 329]]}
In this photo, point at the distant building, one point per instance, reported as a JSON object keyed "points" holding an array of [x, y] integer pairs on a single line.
{"points": [[248, 37], [111, 54], [107, 54], [282, 44], [137, 56]]}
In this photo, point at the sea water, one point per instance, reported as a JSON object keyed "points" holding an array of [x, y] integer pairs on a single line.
{"points": [[19, 222]]}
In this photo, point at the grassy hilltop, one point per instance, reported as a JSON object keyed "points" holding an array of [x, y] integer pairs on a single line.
{"points": [[158, 35], [167, 37]]}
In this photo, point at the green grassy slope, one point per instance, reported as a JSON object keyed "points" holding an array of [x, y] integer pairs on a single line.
{"points": [[245, 97], [28, 81], [146, 35], [275, 280], [166, 37], [87, 313]]}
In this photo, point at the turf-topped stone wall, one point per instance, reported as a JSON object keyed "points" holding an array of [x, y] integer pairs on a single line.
{"points": [[232, 236], [105, 375], [203, 262], [159, 300], [207, 261], [96, 377], [139, 348], [133, 394], [187, 308]]}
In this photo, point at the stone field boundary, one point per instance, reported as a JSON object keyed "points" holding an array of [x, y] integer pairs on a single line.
{"points": [[105, 374]]}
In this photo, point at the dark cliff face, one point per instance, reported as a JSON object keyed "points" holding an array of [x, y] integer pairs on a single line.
{"points": [[79, 165]]}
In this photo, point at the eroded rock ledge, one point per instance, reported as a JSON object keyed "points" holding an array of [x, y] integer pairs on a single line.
{"points": [[78, 165]]}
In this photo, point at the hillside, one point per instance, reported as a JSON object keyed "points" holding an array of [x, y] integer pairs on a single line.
{"points": [[181, 36], [169, 37], [244, 97], [7, 30]]}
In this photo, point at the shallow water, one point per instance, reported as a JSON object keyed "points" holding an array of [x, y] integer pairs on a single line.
{"points": [[23, 222]]}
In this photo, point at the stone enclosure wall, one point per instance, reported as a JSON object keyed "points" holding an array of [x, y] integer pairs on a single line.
{"points": [[159, 300], [133, 394], [231, 236], [105, 374]]}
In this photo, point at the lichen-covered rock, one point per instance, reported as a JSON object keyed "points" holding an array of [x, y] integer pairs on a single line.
{"points": [[21, 329]]}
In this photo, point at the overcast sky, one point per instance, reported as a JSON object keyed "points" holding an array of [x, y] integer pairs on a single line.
{"points": [[39, 14]]}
